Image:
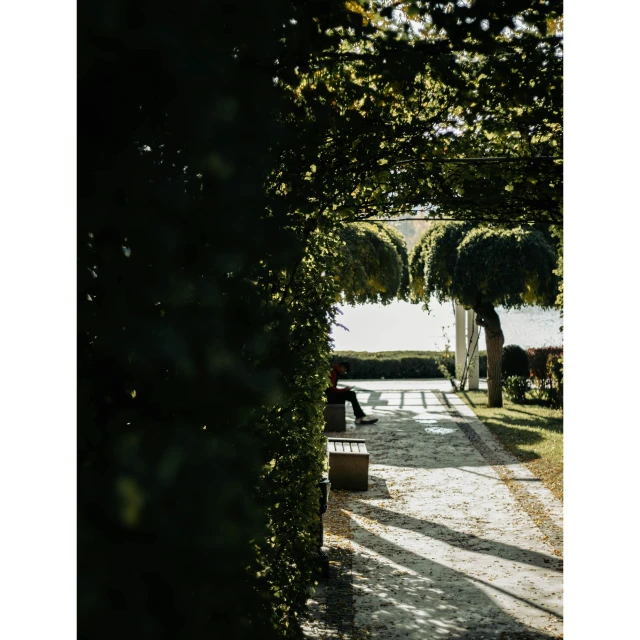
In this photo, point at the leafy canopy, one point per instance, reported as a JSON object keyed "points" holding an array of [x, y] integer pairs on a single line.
{"points": [[479, 265], [451, 110], [373, 265]]}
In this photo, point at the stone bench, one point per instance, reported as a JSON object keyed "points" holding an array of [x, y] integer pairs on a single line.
{"points": [[348, 464], [335, 417]]}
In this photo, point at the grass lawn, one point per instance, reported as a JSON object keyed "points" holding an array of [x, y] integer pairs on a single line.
{"points": [[531, 432]]}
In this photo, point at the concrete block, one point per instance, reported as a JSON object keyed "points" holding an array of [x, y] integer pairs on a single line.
{"points": [[348, 464], [335, 417]]}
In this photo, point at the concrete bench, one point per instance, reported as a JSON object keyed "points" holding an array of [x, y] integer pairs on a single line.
{"points": [[348, 464], [335, 417]]}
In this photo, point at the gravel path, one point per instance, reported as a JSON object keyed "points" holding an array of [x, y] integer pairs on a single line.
{"points": [[453, 539]]}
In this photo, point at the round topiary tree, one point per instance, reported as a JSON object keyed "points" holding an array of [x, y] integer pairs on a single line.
{"points": [[483, 268], [515, 361], [374, 264]]}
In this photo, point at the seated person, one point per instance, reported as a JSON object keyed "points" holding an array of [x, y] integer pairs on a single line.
{"points": [[337, 395]]}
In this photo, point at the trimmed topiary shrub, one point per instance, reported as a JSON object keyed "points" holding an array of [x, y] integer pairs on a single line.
{"points": [[514, 361]]}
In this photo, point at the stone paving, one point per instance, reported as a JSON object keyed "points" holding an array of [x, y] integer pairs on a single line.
{"points": [[453, 539]]}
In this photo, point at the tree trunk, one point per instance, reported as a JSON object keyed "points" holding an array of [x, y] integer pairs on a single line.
{"points": [[488, 318]]}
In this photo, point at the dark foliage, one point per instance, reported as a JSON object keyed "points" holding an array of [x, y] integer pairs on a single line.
{"points": [[516, 388], [546, 373], [202, 330], [514, 361], [555, 373], [538, 363], [371, 366]]}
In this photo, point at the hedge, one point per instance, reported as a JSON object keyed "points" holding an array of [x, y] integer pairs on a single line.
{"points": [[400, 364], [555, 372], [545, 370], [202, 317], [538, 363]]}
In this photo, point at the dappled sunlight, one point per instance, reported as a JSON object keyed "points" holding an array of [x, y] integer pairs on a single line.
{"points": [[382, 409], [439, 430], [423, 406], [433, 417], [436, 420], [363, 397], [432, 496], [405, 398], [522, 436], [391, 440], [532, 433], [427, 418], [406, 594], [417, 606], [530, 417], [497, 479], [393, 525]]}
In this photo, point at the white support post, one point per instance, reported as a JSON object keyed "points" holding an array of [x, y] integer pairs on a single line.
{"points": [[473, 333], [461, 345]]}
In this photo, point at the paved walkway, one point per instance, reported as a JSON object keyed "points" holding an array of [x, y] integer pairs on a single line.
{"points": [[453, 539]]}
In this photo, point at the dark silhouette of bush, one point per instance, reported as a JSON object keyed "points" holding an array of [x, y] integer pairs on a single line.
{"points": [[201, 330], [515, 361]]}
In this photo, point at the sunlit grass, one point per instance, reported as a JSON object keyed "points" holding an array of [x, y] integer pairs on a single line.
{"points": [[531, 432]]}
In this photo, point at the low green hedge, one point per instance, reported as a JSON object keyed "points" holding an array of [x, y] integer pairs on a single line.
{"points": [[400, 364]]}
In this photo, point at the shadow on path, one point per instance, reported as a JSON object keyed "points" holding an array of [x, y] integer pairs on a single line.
{"points": [[392, 440], [431, 600], [466, 541]]}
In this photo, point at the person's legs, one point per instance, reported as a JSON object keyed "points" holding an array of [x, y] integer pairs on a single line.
{"points": [[339, 397], [357, 409]]}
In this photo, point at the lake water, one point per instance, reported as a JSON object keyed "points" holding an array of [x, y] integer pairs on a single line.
{"points": [[401, 326]]}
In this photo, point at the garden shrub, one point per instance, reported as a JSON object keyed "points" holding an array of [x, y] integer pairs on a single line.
{"points": [[515, 361], [538, 365], [516, 388], [556, 376], [202, 334]]}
